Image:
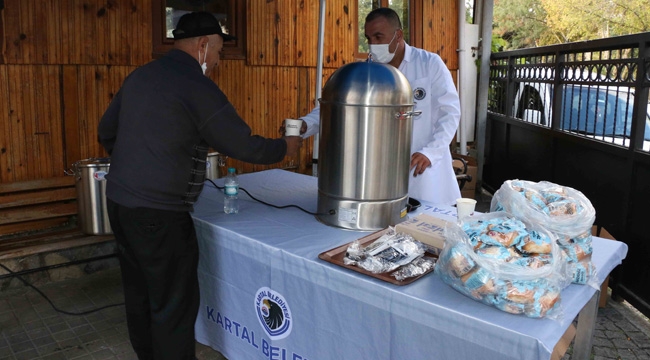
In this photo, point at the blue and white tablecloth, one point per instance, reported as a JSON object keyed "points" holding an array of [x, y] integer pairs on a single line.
{"points": [[263, 262]]}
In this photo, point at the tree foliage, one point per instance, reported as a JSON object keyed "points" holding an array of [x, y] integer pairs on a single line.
{"points": [[522, 23], [531, 23]]}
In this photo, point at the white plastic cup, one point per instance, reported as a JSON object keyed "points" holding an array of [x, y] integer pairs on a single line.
{"points": [[292, 127], [465, 207]]}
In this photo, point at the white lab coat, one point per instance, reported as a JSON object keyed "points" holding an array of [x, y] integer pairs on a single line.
{"points": [[435, 94]]}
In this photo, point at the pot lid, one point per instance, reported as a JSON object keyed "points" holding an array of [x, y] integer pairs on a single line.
{"points": [[368, 84]]}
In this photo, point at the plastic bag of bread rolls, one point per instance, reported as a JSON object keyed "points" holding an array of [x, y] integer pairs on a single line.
{"points": [[505, 262], [578, 250], [562, 210]]}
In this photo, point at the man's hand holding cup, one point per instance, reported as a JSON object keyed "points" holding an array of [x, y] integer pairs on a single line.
{"points": [[293, 127]]}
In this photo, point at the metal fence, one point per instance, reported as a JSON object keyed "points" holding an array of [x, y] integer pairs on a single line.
{"points": [[578, 115], [596, 90]]}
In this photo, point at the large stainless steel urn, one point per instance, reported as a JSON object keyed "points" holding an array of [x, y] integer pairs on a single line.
{"points": [[364, 149]]}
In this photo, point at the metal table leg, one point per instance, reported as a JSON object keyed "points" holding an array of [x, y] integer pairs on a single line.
{"points": [[585, 330]]}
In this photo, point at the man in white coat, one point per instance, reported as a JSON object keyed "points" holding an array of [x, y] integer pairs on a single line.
{"points": [[433, 178]]}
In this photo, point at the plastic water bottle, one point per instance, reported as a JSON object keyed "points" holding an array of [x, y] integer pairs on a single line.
{"points": [[231, 192]]}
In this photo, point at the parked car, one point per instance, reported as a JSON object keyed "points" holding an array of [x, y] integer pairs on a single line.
{"points": [[600, 112]]}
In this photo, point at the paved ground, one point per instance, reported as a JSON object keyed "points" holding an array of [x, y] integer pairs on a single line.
{"points": [[31, 329], [621, 333]]}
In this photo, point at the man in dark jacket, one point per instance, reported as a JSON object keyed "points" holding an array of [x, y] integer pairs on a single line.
{"points": [[157, 130]]}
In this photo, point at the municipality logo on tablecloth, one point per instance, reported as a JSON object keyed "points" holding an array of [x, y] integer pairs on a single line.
{"points": [[273, 313]]}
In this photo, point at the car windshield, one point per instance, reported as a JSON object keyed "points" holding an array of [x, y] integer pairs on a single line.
{"points": [[600, 110]]}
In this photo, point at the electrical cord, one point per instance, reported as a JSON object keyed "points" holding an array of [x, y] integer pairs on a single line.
{"points": [[120, 304], [275, 206], [52, 304]]}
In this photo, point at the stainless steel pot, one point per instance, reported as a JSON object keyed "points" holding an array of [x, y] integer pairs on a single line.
{"points": [[215, 166], [364, 150], [90, 184]]}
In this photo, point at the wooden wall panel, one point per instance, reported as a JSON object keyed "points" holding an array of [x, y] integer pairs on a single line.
{"points": [[53, 117], [261, 32], [285, 25], [48, 138], [82, 113], [67, 29], [13, 32], [18, 148], [340, 37], [440, 27], [77, 32], [71, 114], [307, 12], [286, 33], [6, 161], [89, 77], [52, 44], [32, 141], [263, 96], [17, 143], [254, 97]]}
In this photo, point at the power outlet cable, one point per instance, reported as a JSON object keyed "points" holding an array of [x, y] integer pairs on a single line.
{"points": [[331, 212], [50, 301]]}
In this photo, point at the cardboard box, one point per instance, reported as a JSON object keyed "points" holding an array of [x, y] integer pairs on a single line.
{"points": [[561, 347], [468, 193], [602, 233], [426, 229], [472, 170]]}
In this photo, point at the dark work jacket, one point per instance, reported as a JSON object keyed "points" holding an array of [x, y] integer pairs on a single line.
{"points": [[158, 129]]}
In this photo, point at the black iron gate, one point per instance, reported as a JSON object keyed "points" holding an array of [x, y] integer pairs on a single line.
{"points": [[578, 115]]}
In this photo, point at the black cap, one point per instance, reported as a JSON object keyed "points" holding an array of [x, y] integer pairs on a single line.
{"points": [[199, 23]]}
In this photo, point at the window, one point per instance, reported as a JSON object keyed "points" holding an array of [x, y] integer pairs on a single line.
{"points": [[470, 12], [366, 6], [230, 13]]}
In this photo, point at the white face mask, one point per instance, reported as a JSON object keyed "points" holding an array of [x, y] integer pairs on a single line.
{"points": [[204, 65], [380, 52]]}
